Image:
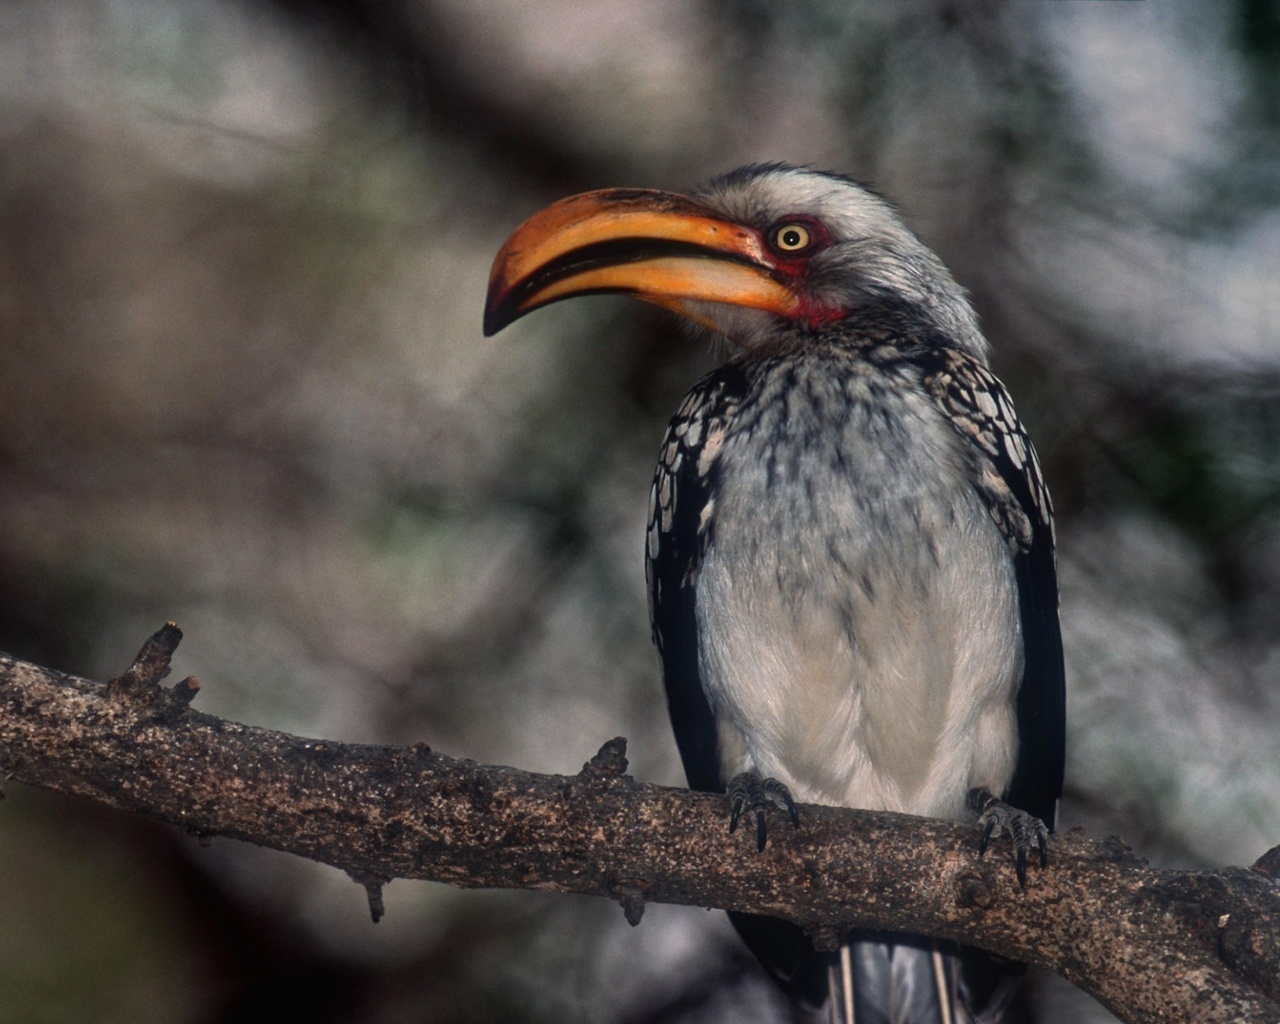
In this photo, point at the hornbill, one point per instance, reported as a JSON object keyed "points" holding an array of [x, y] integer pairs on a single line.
{"points": [[850, 546]]}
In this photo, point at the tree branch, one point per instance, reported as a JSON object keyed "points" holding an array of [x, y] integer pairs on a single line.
{"points": [[1151, 945]]}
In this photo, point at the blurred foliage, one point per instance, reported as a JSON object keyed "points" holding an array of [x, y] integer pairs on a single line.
{"points": [[243, 251]]}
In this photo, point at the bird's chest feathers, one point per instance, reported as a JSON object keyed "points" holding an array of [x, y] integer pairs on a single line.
{"points": [[850, 593], [828, 479]]}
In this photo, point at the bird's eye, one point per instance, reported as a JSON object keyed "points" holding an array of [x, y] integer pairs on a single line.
{"points": [[791, 238]]}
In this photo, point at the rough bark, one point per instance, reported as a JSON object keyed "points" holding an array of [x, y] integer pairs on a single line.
{"points": [[1151, 945]]}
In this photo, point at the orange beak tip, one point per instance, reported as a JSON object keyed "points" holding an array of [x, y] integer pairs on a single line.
{"points": [[499, 309], [493, 321]]}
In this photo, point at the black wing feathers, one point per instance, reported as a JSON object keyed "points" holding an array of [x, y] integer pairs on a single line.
{"points": [[1007, 474], [679, 529]]}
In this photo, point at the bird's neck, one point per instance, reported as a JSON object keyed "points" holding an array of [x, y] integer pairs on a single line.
{"points": [[873, 330]]}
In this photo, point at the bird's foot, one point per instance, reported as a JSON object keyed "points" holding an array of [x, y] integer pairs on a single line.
{"points": [[753, 792], [997, 818]]}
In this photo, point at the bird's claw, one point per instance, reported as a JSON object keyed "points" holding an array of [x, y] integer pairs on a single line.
{"points": [[750, 791], [1025, 831]]}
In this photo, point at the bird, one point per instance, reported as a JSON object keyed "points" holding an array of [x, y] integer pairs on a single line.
{"points": [[850, 549]]}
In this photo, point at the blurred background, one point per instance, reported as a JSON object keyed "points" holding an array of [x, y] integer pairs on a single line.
{"points": [[243, 253]]}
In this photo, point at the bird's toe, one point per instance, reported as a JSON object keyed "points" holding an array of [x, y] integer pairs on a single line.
{"points": [[1025, 831], [752, 792]]}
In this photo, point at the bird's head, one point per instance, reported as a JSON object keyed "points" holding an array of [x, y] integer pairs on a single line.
{"points": [[762, 255]]}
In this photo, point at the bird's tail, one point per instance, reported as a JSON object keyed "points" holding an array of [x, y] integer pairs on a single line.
{"points": [[885, 978]]}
